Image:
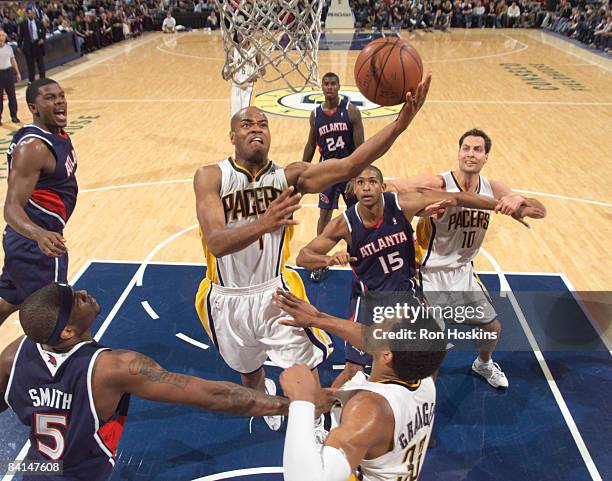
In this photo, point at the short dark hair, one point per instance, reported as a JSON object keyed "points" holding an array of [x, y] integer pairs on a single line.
{"points": [[32, 90], [331, 75], [419, 359], [477, 133], [376, 170], [38, 313]]}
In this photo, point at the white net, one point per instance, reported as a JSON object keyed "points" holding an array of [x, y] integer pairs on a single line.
{"points": [[271, 40]]}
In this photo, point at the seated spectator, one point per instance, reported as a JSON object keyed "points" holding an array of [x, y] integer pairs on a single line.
{"points": [[380, 17], [466, 11], [490, 14], [457, 20], [169, 25], [105, 30], [501, 19], [395, 18], [478, 14], [117, 26], [514, 14], [81, 38], [212, 21]]}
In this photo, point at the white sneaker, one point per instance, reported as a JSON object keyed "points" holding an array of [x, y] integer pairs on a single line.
{"points": [[491, 372], [319, 430], [273, 422]]}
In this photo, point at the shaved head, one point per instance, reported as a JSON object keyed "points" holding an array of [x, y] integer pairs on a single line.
{"points": [[250, 135], [246, 113]]}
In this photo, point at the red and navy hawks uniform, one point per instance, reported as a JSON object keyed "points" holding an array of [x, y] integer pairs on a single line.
{"points": [[385, 261], [334, 132], [52, 393], [26, 269]]}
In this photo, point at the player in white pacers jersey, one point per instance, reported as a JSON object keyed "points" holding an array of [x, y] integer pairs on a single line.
{"points": [[245, 206], [447, 245], [384, 423]]}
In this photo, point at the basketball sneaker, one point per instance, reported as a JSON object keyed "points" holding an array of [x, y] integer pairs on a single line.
{"points": [[273, 422], [491, 372]]}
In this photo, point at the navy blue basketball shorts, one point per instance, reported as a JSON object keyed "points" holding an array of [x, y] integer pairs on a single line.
{"points": [[26, 269], [328, 199]]}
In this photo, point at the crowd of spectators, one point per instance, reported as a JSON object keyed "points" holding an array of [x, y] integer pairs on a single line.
{"points": [[95, 23], [445, 14], [587, 22]]}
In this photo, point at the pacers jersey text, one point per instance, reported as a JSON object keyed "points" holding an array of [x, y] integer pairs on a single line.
{"points": [[245, 198], [454, 239]]}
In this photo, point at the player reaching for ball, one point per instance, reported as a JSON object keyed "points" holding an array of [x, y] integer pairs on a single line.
{"points": [[244, 206]]}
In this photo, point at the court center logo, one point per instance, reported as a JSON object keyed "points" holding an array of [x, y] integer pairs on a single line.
{"points": [[286, 103]]}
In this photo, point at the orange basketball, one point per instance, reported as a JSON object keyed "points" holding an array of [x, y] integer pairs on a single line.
{"points": [[387, 69]]}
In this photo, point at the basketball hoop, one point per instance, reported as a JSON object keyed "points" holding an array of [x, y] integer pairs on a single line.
{"points": [[272, 39]]}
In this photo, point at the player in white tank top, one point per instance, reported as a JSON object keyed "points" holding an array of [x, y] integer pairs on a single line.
{"points": [[384, 422], [251, 249], [446, 246]]}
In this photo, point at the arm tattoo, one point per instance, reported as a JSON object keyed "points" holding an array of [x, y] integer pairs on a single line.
{"points": [[145, 366], [243, 401]]}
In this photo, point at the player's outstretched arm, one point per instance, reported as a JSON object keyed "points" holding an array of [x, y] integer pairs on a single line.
{"points": [[7, 357], [314, 254], [414, 203], [365, 425], [134, 373], [315, 178], [306, 315], [311, 143], [30, 158], [222, 240]]}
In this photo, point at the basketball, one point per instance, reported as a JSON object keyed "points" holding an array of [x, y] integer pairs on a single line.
{"points": [[387, 69]]}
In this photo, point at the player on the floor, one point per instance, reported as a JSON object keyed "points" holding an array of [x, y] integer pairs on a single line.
{"points": [[336, 129], [381, 250], [41, 195], [74, 393], [446, 246], [385, 421], [244, 207]]}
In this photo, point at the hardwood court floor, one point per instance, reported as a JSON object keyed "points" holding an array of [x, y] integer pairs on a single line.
{"points": [[153, 110]]}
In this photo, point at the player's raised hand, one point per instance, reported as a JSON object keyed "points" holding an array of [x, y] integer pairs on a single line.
{"points": [[301, 311], [278, 214], [51, 244], [414, 102], [340, 259], [299, 384]]}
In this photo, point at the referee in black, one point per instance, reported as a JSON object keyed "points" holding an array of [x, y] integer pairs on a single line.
{"points": [[9, 74]]}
